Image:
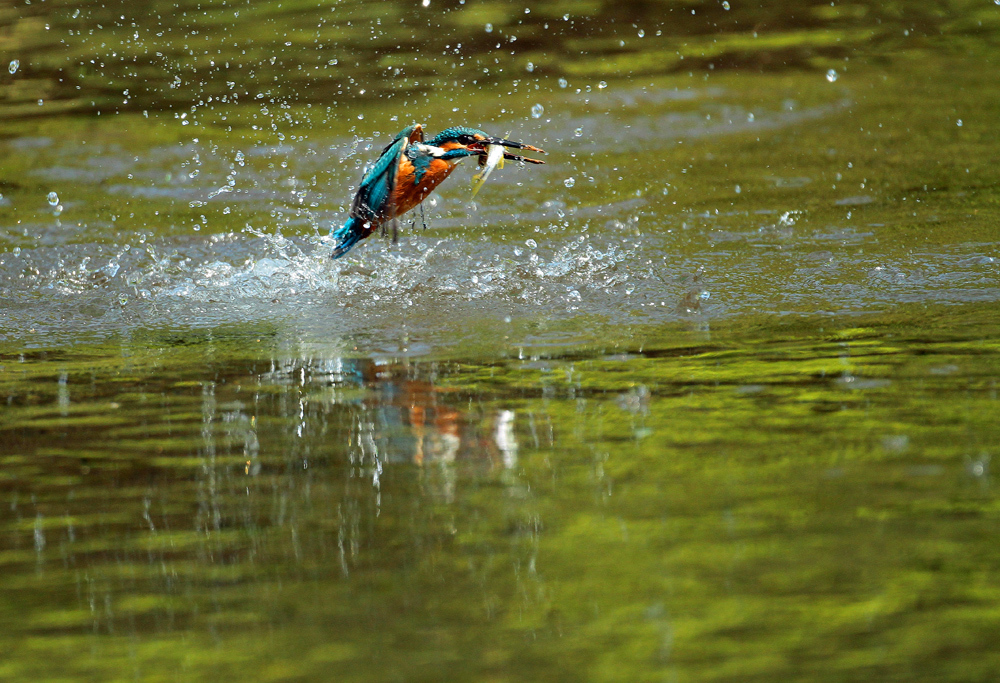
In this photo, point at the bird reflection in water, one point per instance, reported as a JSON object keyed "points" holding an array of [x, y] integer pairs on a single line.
{"points": [[406, 417]]}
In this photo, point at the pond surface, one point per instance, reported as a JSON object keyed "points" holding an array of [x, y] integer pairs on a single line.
{"points": [[712, 395]]}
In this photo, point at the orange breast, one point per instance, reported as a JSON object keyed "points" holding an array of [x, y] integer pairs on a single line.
{"points": [[407, 193]]}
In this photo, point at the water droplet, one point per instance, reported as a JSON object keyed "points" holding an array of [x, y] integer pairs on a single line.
{"points": [[602, 85], [489, 28], [426, 3], [960, 123], [738, 189], [531, 244], [832, 75], [13, 66], [53, 199], [537, 111], [530, 67], [333, 62], [750, 117], [569, 182], [578, 132], [563, 83], [642, 34], [725, 5]]}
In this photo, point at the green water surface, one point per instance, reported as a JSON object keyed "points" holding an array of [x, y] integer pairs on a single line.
{"points": [[711, 396]]}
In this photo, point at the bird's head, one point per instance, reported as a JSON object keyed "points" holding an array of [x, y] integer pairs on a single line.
{"points": [[474, 142]]}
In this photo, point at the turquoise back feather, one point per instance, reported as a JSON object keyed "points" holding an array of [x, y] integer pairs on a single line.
{"points": [[374, 195]]}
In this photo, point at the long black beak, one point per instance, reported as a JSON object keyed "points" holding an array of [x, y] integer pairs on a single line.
{"points": [[514, 145], [518, 157], [511, 143]]}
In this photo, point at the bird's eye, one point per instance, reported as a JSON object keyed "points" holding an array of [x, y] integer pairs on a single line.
{"points": [[466, 139]]}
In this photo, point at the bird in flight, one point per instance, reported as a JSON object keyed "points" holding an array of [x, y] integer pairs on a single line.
{"points": [[410, 168]]}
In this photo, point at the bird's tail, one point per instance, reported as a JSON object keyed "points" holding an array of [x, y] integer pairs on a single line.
{"points": [[349, 234]]}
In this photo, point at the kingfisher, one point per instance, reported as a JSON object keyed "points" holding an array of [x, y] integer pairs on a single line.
{"points": [[409, 169]]}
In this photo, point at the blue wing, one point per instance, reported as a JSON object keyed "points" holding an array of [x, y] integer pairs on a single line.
{"points": [[372, 202]]}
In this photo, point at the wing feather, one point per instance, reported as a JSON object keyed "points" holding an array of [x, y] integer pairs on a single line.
{"points": [[374, 199]]}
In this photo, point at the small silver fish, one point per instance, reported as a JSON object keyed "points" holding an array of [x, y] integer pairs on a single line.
{"points": [[494, 159]]}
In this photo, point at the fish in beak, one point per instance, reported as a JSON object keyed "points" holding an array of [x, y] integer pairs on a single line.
{"points": [[494, 152]]}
